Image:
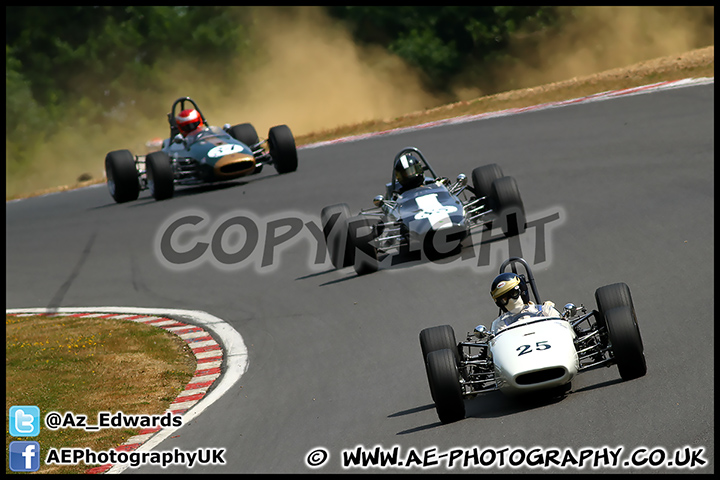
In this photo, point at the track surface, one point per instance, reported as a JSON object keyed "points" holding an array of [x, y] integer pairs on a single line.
{"points": [[334, 359]]}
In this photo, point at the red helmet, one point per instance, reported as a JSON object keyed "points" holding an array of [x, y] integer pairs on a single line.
{"points": [[188, 121]]}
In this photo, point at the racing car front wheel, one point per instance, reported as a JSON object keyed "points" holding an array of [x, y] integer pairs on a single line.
{"points": [[445, 387], [282, 149], [626, 342], [619, 328], [438, 338], [361, 230], [334, 219], [122, 176], [609, 297], [160, 179]]}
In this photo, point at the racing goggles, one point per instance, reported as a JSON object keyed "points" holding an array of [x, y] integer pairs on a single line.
{"points": [[189, 127], [512, 294]]}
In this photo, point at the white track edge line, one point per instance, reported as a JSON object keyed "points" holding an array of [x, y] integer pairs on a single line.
{"points": [[236, 357]]}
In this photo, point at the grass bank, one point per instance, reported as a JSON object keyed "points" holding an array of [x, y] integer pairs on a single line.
{"points": [[89, 365]]}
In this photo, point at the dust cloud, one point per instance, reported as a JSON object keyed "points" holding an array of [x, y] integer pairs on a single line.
{"points": [[602, 38], [314, 77], [311, 76]]}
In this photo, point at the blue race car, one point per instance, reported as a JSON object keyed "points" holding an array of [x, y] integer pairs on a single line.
{"points": [[430, 215], [210, 154]]}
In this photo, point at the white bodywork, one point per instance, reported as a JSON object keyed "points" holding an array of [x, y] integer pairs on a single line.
{"points": [[534, 353]]}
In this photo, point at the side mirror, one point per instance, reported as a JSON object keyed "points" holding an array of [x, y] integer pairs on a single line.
{"points": [[178, 138], [379, 201], [461, 180], [480, 331], [570, 310]]}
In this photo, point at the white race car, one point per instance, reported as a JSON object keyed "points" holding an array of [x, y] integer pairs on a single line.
{"points": [[534, 351]]}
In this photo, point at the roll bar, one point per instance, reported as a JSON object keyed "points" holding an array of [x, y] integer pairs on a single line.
{"points": [[171, 116]]}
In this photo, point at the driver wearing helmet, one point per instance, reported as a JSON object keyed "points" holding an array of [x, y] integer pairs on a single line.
{"points": [[510, 293], [408, 172], [189, 122]]}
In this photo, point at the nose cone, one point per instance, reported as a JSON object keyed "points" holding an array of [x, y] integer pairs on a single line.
{"points": [[436, 242], [233, 166], [534, 357]]}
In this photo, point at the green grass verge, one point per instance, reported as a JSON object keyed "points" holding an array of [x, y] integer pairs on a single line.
{"points": [[89, 365]]}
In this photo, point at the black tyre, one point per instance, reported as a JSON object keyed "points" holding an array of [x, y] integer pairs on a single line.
{"points": [[614, 295], [508, 206], [282, 149], [122, 176], [334, 219], [624, 332], [245, 133], [445, 386], [609, 297], [438, 338], [160, 177], [626, 342], [483, 177], [361, 231]]}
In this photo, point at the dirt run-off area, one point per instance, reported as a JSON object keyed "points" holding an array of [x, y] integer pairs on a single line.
{"points": [[693, 64]]}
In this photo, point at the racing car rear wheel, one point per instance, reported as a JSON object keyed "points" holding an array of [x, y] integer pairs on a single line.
{"points": [[282, 149], [509, 206], [244, 133], [334, 219], [361, 231], [483, 177], [122, 176], [438, 338], [445, 387], [160, 178]]}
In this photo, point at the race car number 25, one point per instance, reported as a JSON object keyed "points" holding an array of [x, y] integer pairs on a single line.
{"points": [[541, 345]]}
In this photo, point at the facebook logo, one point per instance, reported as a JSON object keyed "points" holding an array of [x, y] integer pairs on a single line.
{"points": [[24, 456], [24, 421]]}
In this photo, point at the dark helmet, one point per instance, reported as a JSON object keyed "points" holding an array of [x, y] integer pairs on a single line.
{"points": [[408, 171], [508, 286]]}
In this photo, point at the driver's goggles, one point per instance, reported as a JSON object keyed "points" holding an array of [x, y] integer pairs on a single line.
{"points": [[515, 293]]}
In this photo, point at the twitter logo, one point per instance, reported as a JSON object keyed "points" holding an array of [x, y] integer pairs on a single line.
{"points": [[24, 421]]}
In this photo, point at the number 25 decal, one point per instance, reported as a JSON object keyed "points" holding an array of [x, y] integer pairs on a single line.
{"points": [[541, 345]]}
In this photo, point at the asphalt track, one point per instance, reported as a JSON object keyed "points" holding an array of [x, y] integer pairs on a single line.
{"points": [[625, 191]]}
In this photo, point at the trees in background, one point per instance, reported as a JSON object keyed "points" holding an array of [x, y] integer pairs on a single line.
{"points": [[443, 42], [98, 56], [87, 62]]}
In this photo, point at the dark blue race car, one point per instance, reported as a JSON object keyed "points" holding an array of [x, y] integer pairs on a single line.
{"points": [[212, 154], [431, 216]]}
